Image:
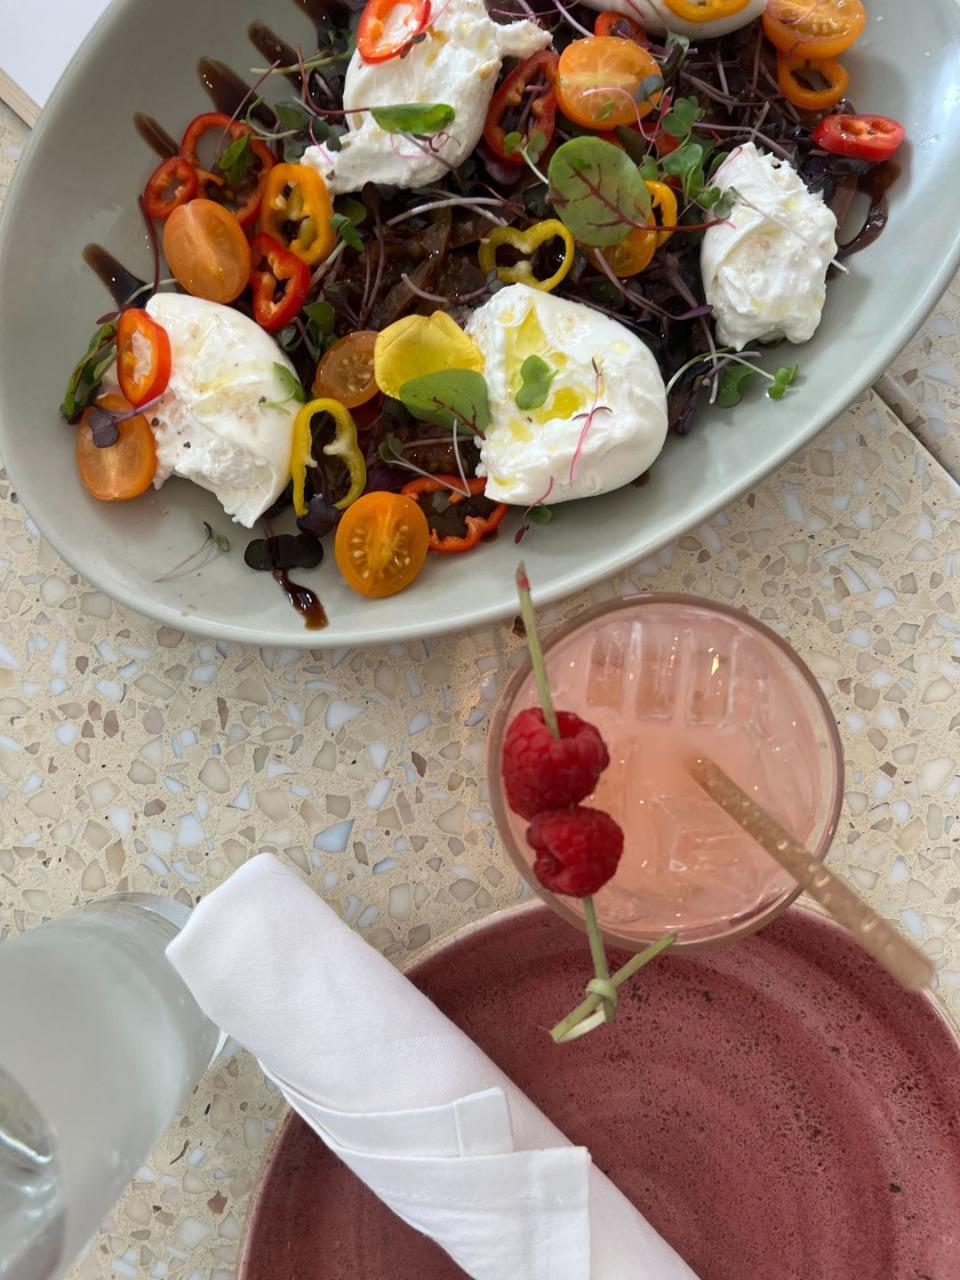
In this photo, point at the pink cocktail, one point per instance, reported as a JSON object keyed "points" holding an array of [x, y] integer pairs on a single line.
{"points": [[666, 679]]}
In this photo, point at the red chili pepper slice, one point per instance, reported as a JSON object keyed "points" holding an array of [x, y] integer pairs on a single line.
{"points": [[242, 200], [516, 107], [388, 27], [873, 138], [171, 184], [611, 23], [280, 280], [483, 517], [143, 357]]}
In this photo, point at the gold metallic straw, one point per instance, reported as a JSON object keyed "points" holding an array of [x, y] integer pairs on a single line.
{"points": [[901, 959]]}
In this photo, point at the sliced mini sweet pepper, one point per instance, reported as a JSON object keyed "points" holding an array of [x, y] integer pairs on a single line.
{"points": [[812, 84], [527, 243], [343, 446], [418, 345], [296, 210], [482, 517], [519, 104], [663, 200], [280, 282], [705, 10]]}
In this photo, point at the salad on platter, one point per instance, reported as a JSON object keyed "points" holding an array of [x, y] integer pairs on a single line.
{"points": [[467, 256]]}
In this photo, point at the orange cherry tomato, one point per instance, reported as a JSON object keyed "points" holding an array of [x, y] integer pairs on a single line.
{"points": [[812, 84], [143, 357], [599, 79], [382, 542], [206, 250], [611, 23], [705, 10], [345, 372], [814, 28], [633, 255], [122, 470]]}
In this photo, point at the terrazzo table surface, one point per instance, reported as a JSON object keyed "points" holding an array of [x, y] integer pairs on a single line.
{"points": [[136, 757]]}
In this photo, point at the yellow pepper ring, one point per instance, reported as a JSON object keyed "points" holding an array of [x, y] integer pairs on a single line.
{"points": [[663, 199], [296, 194], [343, 446], [527, 242], [705, 10]]}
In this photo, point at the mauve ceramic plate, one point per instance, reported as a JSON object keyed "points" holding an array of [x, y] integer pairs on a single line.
{"points": [[779, 1109], [78, 183]]}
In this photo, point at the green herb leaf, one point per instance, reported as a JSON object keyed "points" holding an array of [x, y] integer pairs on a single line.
{"points": [[291, 117], [536, 145], [682, 162], [512, 142], [85, 378], [422, 118], [647, 88], [733, 383], [391, 449], [649, 169], [783, 378], [677, 48], [709, 197], [290, 385], [236, 159], [320, 320], [540, 515], [597, 191], [453, 394], [634, 143], [682, 116], [536, 377], [347, 231]]}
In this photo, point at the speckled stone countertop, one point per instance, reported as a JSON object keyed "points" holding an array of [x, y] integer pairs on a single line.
{"points": [[135, 757]]}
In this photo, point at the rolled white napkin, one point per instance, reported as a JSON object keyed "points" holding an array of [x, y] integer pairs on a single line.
{"points": [[405, 1099]]}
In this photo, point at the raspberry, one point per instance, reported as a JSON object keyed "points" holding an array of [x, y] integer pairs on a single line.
{"points": [[541, 772], [577, 850]]}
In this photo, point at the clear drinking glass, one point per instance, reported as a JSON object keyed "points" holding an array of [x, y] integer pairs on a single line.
{"points": [[100, 1043], [667, 678]]}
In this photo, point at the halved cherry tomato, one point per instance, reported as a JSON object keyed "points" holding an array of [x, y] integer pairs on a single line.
{"points": [[296, 211], [280, 283], [387, 27], [382, 543], [812, 84], [437, 494], [814, 28], [171, 184], [873, 138], [705, 10], [243, 200], [143, 357], [517, 107], [345, 372], [599, 78], [122, 470], [206, 250], [612, 23]]}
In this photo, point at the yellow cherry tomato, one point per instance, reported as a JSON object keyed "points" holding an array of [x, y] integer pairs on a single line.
{"points": [[296, 210], [527, 242], [814, 28], [382, 543], [599, 79], [206, 250], [418, 345]]}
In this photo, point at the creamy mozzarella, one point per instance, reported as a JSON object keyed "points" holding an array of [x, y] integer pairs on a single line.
{"points": [[215, 424], [764, 269], [458, 63], [560, 450], [655, 16]]}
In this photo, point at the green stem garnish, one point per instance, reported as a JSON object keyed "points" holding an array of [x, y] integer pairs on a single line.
{"points": [[536, 652], [588, 1015]]}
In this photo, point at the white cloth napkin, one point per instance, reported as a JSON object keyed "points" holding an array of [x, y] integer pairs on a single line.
{"points": [[406, 1100]]}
